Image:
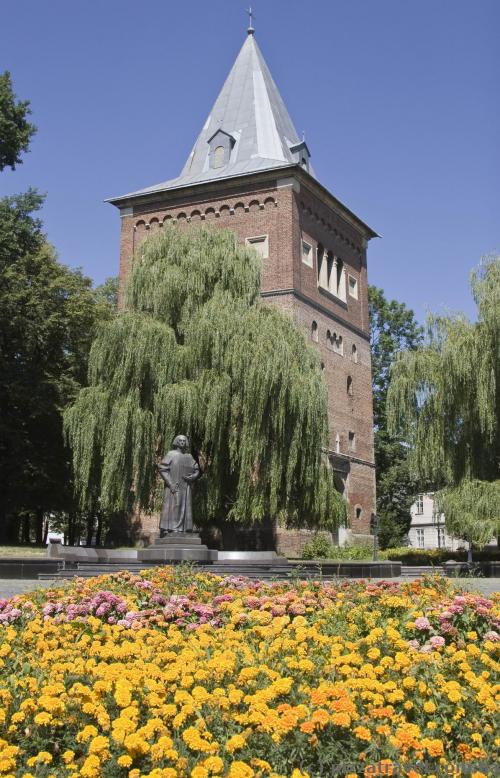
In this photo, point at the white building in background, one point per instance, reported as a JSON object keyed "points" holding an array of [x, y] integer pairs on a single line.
{"points": [[427, 529]]}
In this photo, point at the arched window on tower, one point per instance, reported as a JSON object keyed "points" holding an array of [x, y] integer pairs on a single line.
{"points": [[338, 344], [354, 353], [349, 386], [314, 331]]}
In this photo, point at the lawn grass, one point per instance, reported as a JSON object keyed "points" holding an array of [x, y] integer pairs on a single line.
{"points": [[23, 551]]}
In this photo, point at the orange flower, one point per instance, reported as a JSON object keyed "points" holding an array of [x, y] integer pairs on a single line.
{"points": [[341, 719]]}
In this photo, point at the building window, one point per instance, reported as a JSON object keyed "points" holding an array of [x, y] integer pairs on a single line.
{"points": [[307, 254], [419, 505], [314, 331], [218, 156], [260, 244], [352, 441], [322, 367], [420, 538], [354, 353], [441, 537], [322, 265], [349, 386], [338, 344], [336, 277], [359, 511], [353, 287]]}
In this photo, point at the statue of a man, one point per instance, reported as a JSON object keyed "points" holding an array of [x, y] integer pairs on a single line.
{"points": [[178, 470]]}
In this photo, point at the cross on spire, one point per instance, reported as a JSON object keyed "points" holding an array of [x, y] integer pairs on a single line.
{"points": [[251, 15]]}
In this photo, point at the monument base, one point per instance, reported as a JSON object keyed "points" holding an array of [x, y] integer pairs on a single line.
{"points": [[177, 547]]}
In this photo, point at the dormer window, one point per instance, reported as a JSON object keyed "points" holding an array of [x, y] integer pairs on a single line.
{"points": [[221, 144], [300, 154]]}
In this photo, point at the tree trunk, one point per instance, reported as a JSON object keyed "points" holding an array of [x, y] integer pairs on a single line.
{"points": [[71, 529], [99, 529], [90, 529], [39, 526], [26, 528]]}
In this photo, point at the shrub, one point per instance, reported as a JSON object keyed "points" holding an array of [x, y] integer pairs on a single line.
{"points": [[435, 556]]}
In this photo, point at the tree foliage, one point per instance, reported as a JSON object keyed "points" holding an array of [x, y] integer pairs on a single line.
{"points": [[392, 328], [47, 315], [444, 398], [195, 351], [15, 129]]}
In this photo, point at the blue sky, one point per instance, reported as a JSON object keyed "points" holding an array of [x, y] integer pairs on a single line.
{"points": [[398, 99]]}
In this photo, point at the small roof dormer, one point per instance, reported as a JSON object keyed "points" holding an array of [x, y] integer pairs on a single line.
{"points": [[300, 154], [220, 145]]}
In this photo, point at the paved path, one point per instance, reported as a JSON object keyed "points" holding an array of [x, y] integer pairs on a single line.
{"points": [[10, 587]]}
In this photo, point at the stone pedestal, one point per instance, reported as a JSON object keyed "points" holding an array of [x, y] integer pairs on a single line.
{"points": [[177, 547]]}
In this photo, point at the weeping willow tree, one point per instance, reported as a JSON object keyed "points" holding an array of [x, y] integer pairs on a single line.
{"points": [[195, 351], [444, 397]]}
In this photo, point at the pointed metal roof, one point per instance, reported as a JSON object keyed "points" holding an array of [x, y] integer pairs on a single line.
{"points": [[251, 111]]}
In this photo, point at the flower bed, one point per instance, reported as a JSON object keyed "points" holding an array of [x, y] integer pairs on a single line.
{"points": [[175, 674]]}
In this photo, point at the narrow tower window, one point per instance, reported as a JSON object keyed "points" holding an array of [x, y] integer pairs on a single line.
{"points": [[349, 386], [314, 331], [354, 353], [218, 157]]}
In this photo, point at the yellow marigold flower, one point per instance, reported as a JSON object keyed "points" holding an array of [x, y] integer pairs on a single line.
{"points": [[68, 756], [409, 682], [214, 765], [124, 760], [261, 764], [477, 774], [240, 770], [43, 718], [299, 774], [43, 757], [454, 695], [91, 768], [429, 706], [373, 653], [87, 733], [362, 733], [98, 745], [199, 772], [235, 743], [471, 635]]}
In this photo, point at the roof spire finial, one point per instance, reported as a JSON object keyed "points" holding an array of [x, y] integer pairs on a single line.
{"points": [[251, 28]]}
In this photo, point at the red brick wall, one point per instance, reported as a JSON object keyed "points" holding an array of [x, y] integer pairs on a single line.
{"points": [[288, 213]]}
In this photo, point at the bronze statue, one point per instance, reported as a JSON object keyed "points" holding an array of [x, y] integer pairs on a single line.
{"points": [[178, 470]]}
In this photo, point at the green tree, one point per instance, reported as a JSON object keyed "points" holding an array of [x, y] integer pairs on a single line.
{"points": [[47, 316], [444, 398], [392, 328], [15, 130], [196, 351]]}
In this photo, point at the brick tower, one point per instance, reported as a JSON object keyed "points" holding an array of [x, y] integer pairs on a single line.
{"points": [[250, 172]]}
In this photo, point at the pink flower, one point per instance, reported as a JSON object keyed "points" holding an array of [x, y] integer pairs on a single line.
{"points": [[413, 643], [492, 635], [436, 641], [422, 623]]}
